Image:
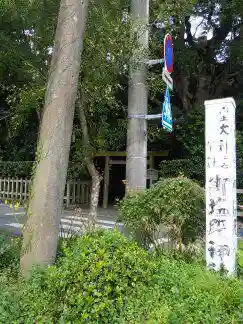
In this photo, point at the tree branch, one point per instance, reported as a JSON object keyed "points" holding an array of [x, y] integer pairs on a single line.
{"points": [[86, 140], [188, 31], [96, 177]]}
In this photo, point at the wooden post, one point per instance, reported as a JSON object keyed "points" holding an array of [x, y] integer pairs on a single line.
{"points": [[74, 192], [87, 193], [151, 161], [68, 195], [106, 182], [12, 189], [78, 193], [6, 189], [3, 191], [25, 190], [8, 192], [82, 189], [17, 189], [21, 190]]}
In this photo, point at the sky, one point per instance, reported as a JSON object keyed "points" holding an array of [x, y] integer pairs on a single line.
{"points": [[197, 27]]}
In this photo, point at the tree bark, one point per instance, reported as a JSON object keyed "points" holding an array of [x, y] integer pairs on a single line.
{"points": [[181, 87], [46, 198], [96, 177], [203, 90]]}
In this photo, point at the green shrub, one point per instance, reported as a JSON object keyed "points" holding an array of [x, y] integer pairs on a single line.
{"points": [[185, 293], [11, 309], [177, 204], [93, 277], [240, 258], [24, 169], [9, 252], [9, 265], [193, 168], [103, 277], [16, 169]]}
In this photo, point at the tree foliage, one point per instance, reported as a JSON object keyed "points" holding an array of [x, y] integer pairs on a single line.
{"points": [[208, 64], [174, 204]]}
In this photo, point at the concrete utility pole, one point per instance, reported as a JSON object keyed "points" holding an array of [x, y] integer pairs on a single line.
{"points": [[136, 166]]}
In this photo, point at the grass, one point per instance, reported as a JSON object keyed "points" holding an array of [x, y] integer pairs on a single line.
{"points": [[240, 251]]}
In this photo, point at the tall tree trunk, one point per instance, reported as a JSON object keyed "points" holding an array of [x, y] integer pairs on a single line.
{"points": [[136, 164], [182, 89], [96, 177], [203, 90], [42, 227]]}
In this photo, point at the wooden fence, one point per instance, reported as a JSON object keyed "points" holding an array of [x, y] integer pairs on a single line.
{"points": [[76, 192]]}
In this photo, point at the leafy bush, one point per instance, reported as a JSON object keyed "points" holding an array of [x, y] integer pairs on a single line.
{"points": [[24, 169], [16, 169], [9, 252], [177, 204], [185, 293], [93, 277], [240, 258], [10, 301], [193, 168], [9, 265], [190, 133], [103, 277]]}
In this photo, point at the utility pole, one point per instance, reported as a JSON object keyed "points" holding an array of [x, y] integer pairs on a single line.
{"points": [[136, 164]]}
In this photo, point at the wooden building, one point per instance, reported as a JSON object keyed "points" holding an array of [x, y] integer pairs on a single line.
{"points": [[113, 168]]}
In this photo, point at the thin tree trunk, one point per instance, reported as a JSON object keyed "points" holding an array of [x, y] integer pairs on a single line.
{"points": [[94, 201], [46, 198], [96, 177]]}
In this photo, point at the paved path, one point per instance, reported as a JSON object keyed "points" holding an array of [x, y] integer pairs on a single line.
{"points": [[71, 221]]}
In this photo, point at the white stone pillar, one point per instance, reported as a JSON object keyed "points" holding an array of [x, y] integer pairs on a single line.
{"points": [[221, 203]]}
